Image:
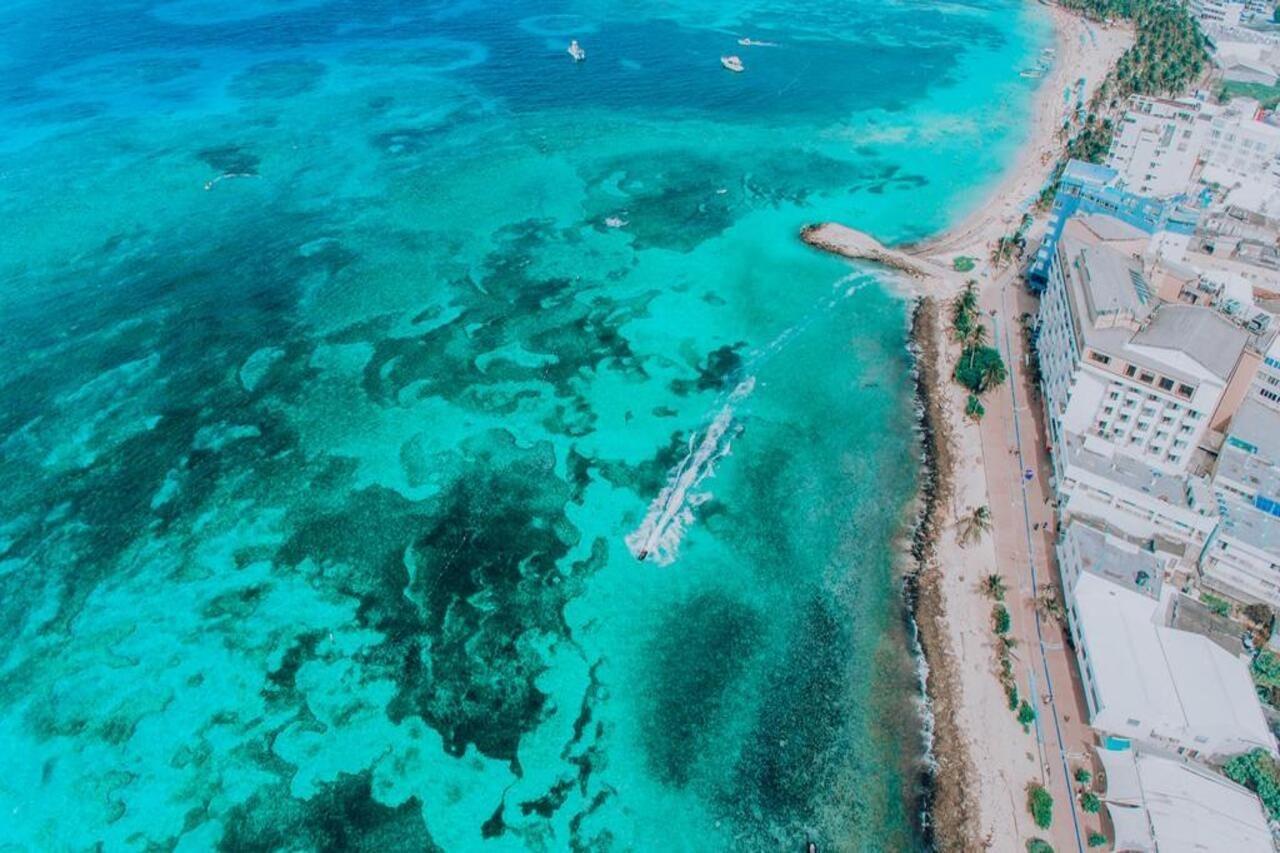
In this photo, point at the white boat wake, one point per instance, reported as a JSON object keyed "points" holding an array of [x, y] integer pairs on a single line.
{"points": [[658, 536]]}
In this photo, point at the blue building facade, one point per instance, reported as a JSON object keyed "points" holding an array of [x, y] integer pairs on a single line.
{"points": [[1088, 188]]}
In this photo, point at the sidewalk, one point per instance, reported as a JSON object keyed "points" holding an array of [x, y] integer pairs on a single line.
{"points": [[1023, 530]]}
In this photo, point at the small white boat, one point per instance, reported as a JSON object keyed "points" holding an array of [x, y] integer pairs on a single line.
{"points": [[576, 51], [750, 42], [733, 63]]}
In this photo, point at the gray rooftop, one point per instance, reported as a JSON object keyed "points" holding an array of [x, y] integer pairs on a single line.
{"points": [[1131, 473], [1111, 282], [1202, 333], [1242, 520], [1259, 426], [1110, 228], [1190, 615], [1118, 561]]}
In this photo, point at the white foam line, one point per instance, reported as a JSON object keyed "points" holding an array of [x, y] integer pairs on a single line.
{"points": [[659, 535], [669, 516]]}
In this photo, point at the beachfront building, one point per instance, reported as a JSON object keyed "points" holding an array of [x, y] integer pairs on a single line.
{"points": [[1139, 375], [1243, 145], [1154, 685], [1159, 804], [1242, 557], [1266, 384], [1229, 13], [1248, 62], [1157, 144], [1120, 494], [1085, 188]]}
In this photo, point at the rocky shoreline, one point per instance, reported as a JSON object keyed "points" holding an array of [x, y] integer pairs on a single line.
{"points": [[952, 813]]}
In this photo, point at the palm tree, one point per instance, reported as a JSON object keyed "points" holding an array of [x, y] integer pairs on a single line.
{"points": [[1049, 605], [993, 373], [973, 525], [976, 337], [993, 586], [964, 310]]}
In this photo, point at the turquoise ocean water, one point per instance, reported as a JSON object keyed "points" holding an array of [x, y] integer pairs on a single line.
{"points": [[353, 354]]}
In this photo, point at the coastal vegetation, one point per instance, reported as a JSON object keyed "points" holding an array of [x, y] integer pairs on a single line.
{"points": [[1083, 776], [1267, 96], [1260, 773], [993, 587], [1040, 804], [973, 408], [963, 263], [1000, 619], [1039, 845], [1026, 715], [1265, 670], [1168, 51], [980, 369], [1216, 605], [1090, 803], [1049, 604], [1097, 839], [973, 525]]}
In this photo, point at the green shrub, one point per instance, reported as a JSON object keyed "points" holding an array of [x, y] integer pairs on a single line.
{"points": [[1083, 776], [973, 408], [1040, 804], [962, 264], [1090, 803], [1012, 692], [980, 369], [1026, 715], [1217, 605], [1265, 670], [1258, 772], [1097, 839], [1039, 845], [1000, 619]]}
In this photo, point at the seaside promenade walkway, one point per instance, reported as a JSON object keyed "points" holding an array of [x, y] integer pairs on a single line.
{"points": [[1023, 527]]}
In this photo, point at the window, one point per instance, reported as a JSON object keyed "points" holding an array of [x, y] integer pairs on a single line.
{"points": [[1130, 370], [1114, 395], [1185, 390], [1166, 384], [1146, 378], [1099, 357]]}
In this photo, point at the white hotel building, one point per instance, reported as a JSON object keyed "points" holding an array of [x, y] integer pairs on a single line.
{"points": [[1141, 376], [1143, 680], [1242, 557], [1157, 144]]}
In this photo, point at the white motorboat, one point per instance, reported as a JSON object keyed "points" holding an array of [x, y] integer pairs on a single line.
{"points": [[576, 51], [750, 42], [733, 63]]}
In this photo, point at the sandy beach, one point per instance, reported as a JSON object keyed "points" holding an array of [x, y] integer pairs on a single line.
{"points": [[1083, 50], [985, 758]]}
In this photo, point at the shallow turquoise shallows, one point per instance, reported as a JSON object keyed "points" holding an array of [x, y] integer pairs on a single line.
{"points": [[413, 439]]}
